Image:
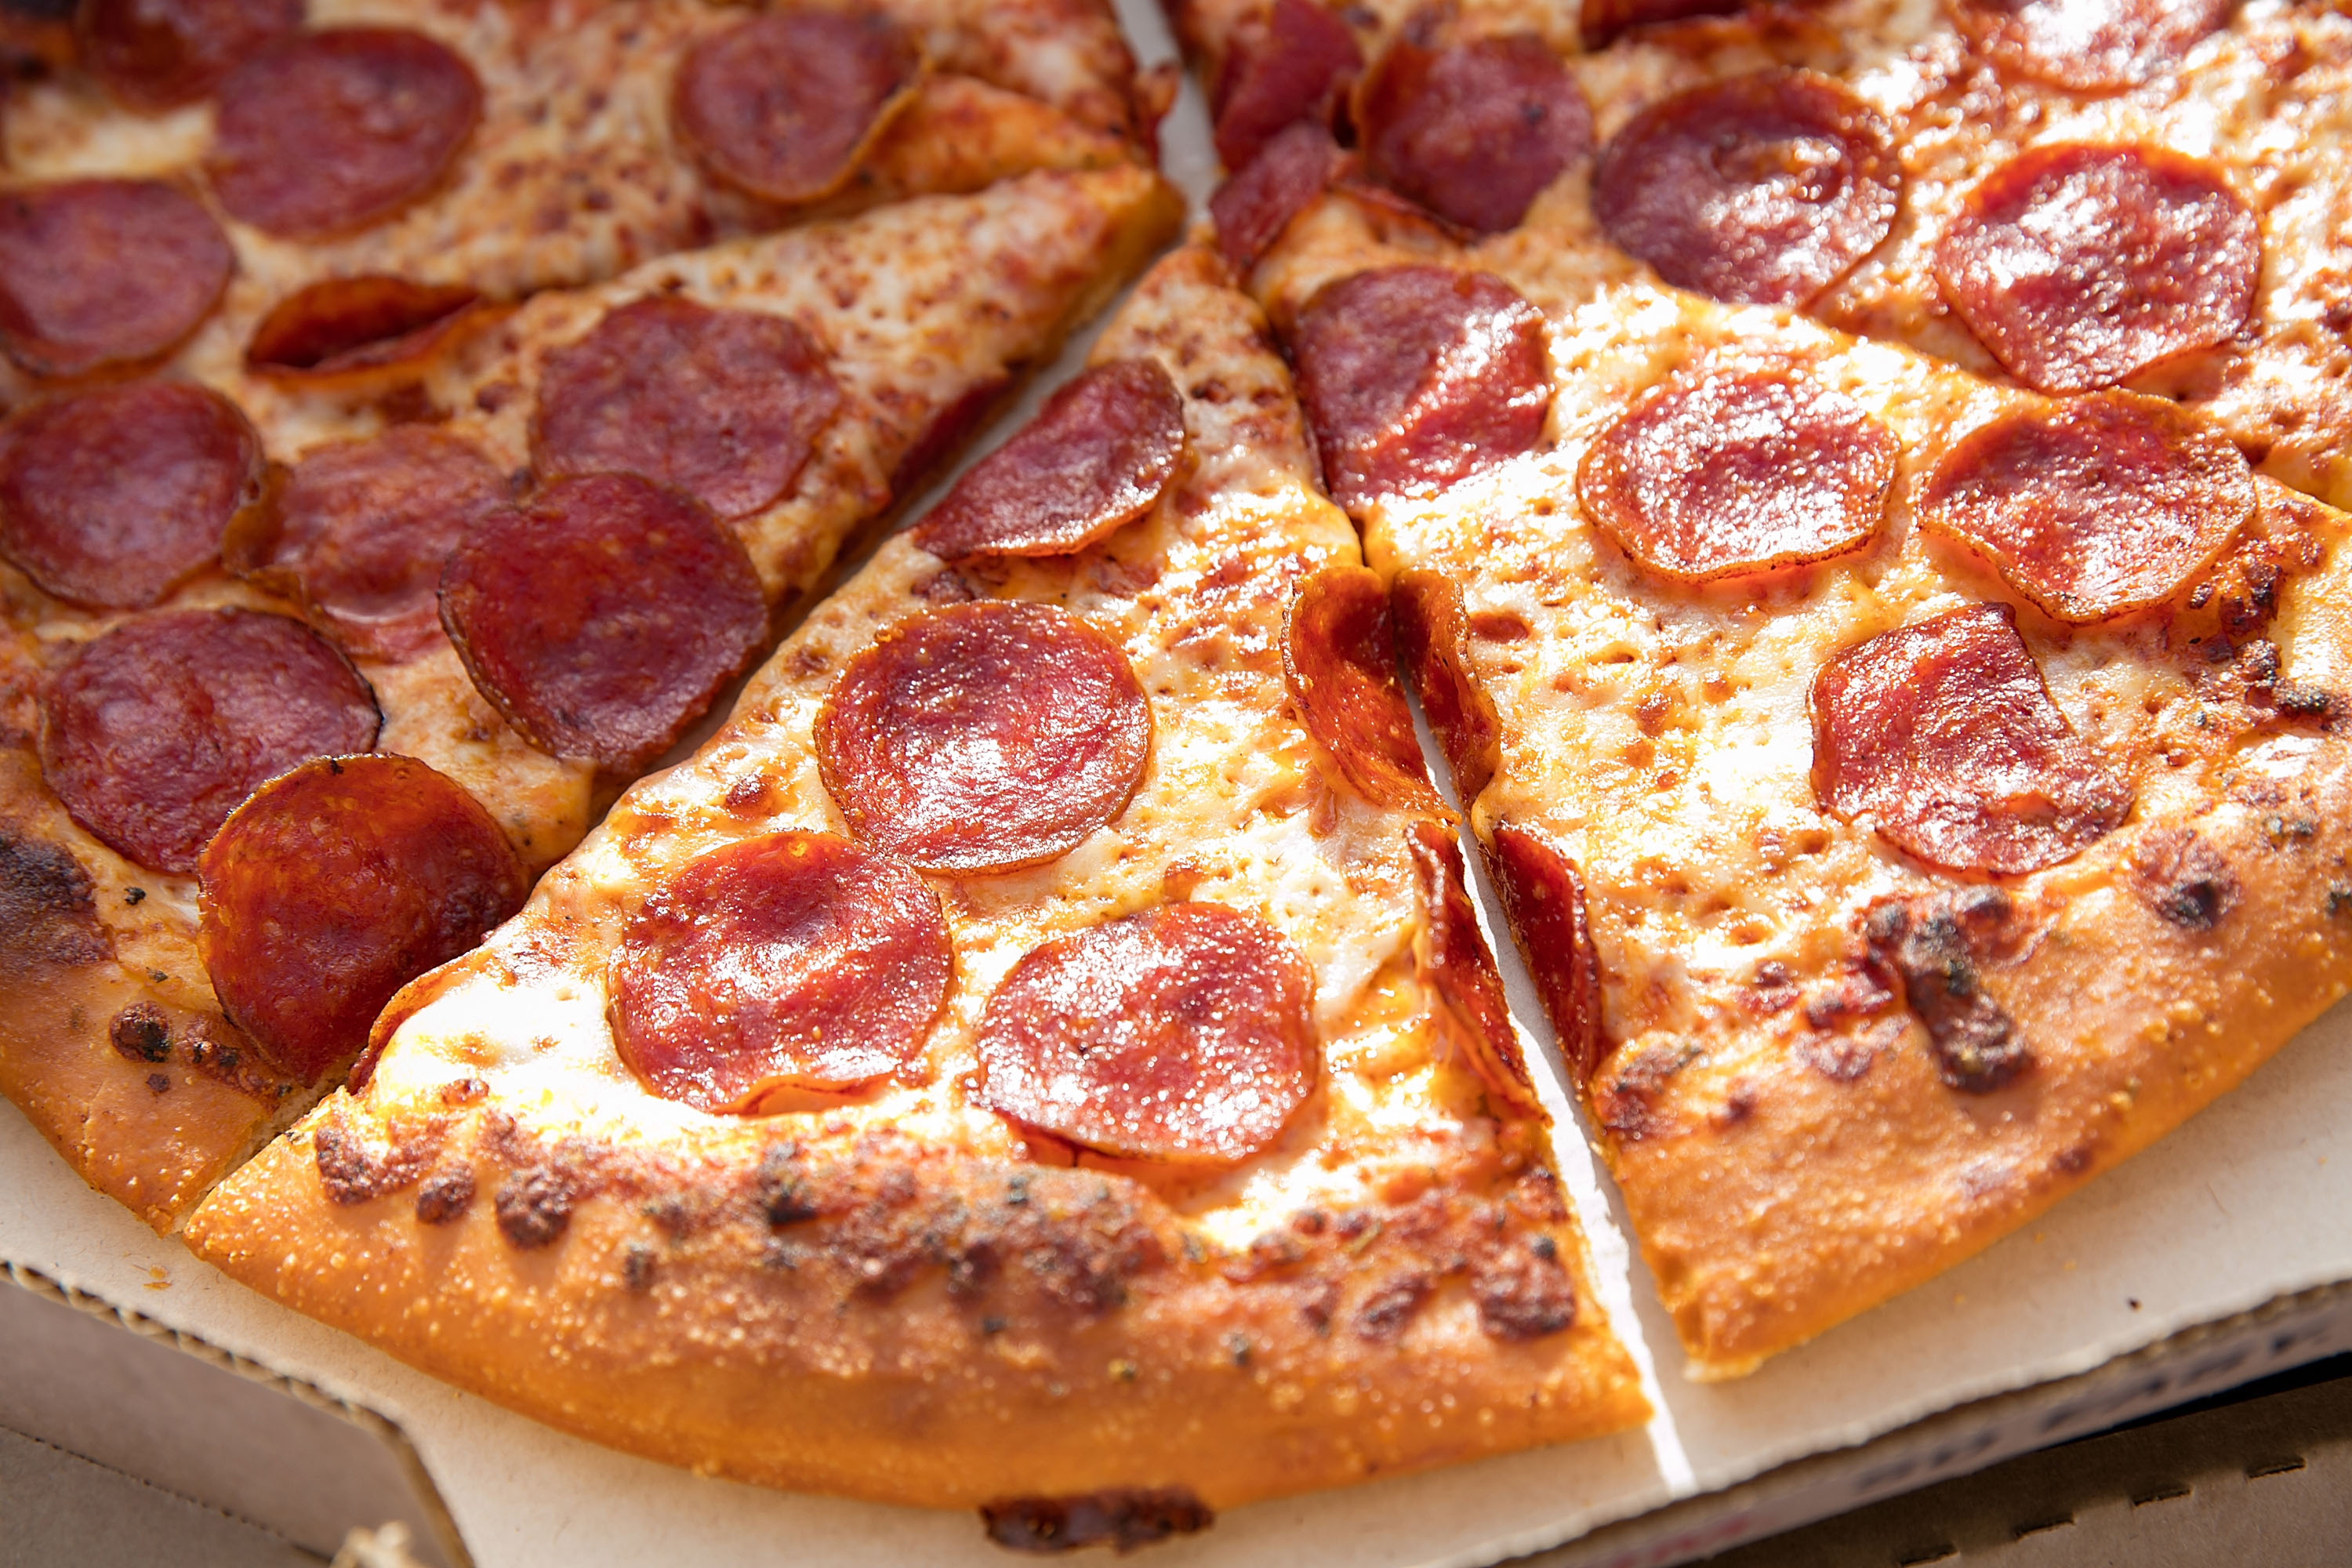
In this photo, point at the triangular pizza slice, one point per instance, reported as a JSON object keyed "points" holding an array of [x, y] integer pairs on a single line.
{"points": [[319, 194], [1040, 1053], [607, 499], [1913, 793]]}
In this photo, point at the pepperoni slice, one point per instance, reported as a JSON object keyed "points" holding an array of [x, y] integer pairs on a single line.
{"points": [[347, 328], [603, 616], [984, 737], [360, 528], [2093, 507], [1432, 637], [1182, 1032], [1543, 897], [159, 54], [115, 497], [153, 733], [335, 885], [784, 106], [2089, 46], [1292, 63], [1451, 958], [102, 273], [792, 960], [1764, 188], [328, 132], [1416, 378], [1943, 735], [2079, 266], [1475, 131], [1600, 21], [1096, 458], [1253, 208], [1339, 657], [725, 404], [1737, 472]]}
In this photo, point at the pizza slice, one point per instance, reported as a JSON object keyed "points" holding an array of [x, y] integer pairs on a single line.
{"points": [[1039, 1053], [319, 194], [646, 470], [2069, 195], [1913, 794]]}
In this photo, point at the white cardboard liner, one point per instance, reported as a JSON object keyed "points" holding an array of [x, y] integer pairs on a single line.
{"points": [[2251, 1201]]}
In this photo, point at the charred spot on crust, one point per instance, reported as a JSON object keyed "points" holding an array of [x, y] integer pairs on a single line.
{"points": [[1121, 1517], [534, 1205], [48, 915], [445, 1194], [638, 1265], [142, 1033], [1626, 1103], [1771, 989], [783, 1196], [354, 1171], [1524, 1293], [1939, 944], [1384, 1314], [2183, 878]]}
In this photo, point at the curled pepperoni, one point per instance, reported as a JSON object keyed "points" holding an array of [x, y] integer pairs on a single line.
{"points": [[1094, 460], [1182, 1032], [984, 737], [159, 54], [792, 960], [2089, 46], [1598, 21], [116, 495], [1433, 639], [2093, 507], [1292, 63], [603, 616], [784, 105], [1475, 131], [1543, 897], [360, 530], [153, 733], [1943, 735], [1253, 208], [345, 328], [335, 885], [102, 273], [1737, 472], [1339, 660], [725, 404], [1451, 958], [1416, 378], [1764, 188], [331, 131], [2079, 265]]}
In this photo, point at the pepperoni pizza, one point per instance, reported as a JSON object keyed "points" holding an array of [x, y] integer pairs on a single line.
{"points": [[1914, 791], [1039, 1053], [523, 550]]}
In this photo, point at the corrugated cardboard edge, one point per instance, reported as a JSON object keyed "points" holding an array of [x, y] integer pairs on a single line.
{"points": [[2286, 1332], [376, 1424]]}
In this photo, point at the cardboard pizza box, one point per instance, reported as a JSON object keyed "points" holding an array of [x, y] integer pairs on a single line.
{"points": [[2219, 1255]]}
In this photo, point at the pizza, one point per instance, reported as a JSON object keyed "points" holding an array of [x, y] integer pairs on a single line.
{"points": [[1039, 1053], [1912, 762], [523, 544]]}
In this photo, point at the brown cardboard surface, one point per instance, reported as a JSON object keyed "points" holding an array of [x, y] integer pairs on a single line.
{"points": [[2241, 1207]]}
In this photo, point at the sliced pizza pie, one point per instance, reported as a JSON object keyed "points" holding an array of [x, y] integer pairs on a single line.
{"points": [[318, 195], [1914, 794], [622, 487], [1039, 1053]]}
